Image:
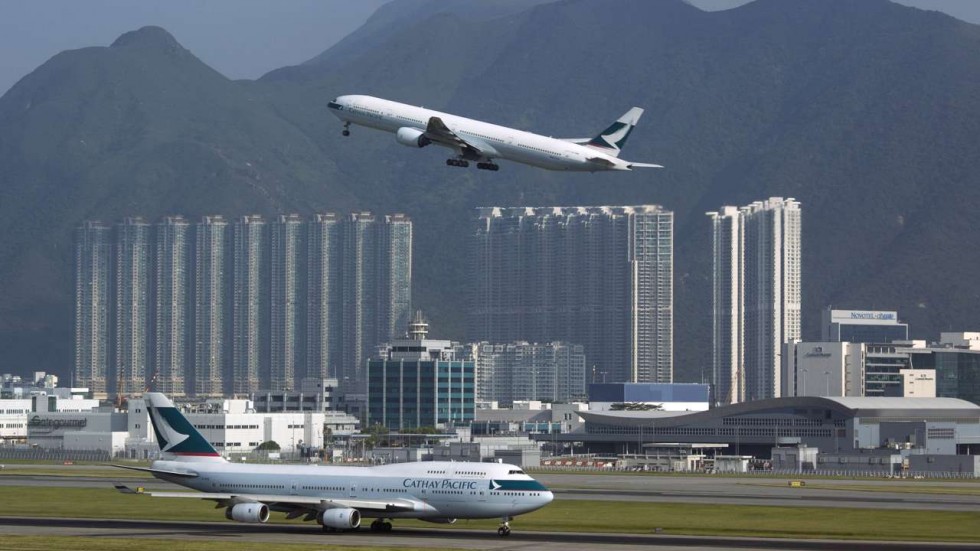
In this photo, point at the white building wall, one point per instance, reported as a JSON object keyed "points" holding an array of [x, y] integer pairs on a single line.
{"points": [[968, 340], [918, 383], [15, 413], [115, 432], [823, 369], [242, 432]]}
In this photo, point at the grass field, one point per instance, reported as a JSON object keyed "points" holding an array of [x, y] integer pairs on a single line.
{"points": [[46, 543], [958, 490], [90, 472], [560, 516]]}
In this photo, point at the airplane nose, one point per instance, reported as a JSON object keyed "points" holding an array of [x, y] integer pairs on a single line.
{"points": [[548, 497]]}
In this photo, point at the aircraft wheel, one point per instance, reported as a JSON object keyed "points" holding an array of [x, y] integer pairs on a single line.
{"points": [[464, 164], [346, 132], [386, 527], [503, 531]]}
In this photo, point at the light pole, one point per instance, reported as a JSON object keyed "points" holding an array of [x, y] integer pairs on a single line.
{"points": [[826, 375]]}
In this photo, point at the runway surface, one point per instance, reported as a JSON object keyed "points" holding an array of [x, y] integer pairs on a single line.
{"points": [[879, 494], [876, 494], [269, 534]]}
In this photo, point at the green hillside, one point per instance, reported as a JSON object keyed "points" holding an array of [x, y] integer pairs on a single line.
{"points": [[864, 111]]}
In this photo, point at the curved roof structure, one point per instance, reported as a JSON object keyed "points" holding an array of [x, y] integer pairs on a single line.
{"points": [[882, 408]]}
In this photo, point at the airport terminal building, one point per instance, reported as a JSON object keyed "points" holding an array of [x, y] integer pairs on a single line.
{"points": [[945, 426]]}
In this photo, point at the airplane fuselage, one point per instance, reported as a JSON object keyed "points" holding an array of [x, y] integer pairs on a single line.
{"points": [[433, 490], [493, 141]]}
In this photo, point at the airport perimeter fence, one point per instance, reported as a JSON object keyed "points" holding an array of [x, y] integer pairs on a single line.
{"points": [[41, 454], [770, 472]]}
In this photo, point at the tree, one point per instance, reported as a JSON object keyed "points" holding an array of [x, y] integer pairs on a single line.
{"points": [[377, 435], [269, 445]]}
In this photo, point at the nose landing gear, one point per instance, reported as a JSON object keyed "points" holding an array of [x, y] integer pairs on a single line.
{"points": [[504, 529], [346, 131]]}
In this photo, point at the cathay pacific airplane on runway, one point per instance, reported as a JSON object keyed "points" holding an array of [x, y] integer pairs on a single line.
{"points": [[336, 497], [483, 142]]}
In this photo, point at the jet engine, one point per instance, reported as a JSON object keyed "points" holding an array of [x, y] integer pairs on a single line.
{"points": [[412, 137], [248, 512], [341, 519]]}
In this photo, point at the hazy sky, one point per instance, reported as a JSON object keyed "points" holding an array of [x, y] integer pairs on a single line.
{"points": [[239, 38]]}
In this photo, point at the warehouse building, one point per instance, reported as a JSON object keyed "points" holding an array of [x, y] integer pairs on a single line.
{"points": [[941, 426]]}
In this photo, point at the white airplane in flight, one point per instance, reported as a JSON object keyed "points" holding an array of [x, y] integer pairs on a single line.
{"points": [[336, 497], [483, 142]]}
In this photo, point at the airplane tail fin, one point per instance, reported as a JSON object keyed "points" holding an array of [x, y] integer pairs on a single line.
{"points": [[611, 140], [175, 434]]}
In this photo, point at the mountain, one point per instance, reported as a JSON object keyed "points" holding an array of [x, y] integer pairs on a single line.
{"points": [[139, 127], [864, 111]]}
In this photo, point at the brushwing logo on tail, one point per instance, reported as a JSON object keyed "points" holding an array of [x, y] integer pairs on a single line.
{"points": [[165, 433], [614, 137]]}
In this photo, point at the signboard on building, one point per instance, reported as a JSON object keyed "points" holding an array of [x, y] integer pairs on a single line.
{"points": [[869, 317]]}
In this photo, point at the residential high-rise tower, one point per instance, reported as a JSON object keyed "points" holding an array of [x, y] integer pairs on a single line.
{"points": [[598, 276], [756, 309], [93, 261], [172, 308], [324, 337], [132, 361], [287, 305], [250, 305], [212, 307]]}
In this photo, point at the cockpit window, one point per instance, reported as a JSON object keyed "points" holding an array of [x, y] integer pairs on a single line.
{"points": [[515, 471]]}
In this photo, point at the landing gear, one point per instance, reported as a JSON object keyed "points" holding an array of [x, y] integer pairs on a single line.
{"points": [[504, 529], [381, 525], [457, 162], [346, 131], [492, 166]]}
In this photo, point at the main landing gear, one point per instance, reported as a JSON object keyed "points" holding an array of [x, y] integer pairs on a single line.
{"points": [[381, 525], [504, 529], [462, 163], [346, 131]]}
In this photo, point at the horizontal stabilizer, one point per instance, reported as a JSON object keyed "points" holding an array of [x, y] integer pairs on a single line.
{"points": [[183, 474], [644, 165]]}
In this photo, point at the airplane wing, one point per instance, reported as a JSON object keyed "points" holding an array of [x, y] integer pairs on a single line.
{"points": [[296, 502], [438, 132]]}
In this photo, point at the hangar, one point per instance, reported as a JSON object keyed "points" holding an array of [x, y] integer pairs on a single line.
{"points": [[943, 426]]}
